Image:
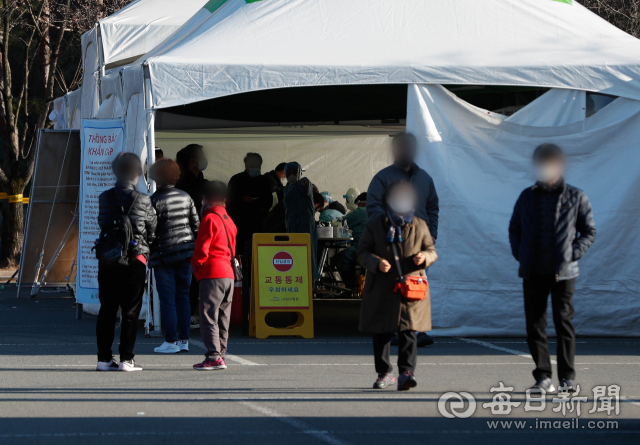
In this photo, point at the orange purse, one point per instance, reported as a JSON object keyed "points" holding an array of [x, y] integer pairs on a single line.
{"points": [[411, 288]]}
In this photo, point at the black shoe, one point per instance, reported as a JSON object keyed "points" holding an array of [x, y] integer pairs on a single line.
{"points": [[424, 340], [543, 385], [395, 340], [567, 385], [384, 381], [406, 381]]}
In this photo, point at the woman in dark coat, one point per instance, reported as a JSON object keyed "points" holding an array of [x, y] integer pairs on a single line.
{"points": [[383, 311], [170, 254]]}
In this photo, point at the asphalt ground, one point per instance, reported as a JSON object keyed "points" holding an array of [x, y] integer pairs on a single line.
{"points": [[288, 390]]}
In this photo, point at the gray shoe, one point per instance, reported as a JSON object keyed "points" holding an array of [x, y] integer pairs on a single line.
{"points": [[567, 385], [544, 385], [384, 381]]}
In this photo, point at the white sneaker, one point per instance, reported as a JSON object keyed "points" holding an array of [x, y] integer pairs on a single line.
{"points": [[195, 322], [129, 366], [108, 366], [167, 348], [183, 345]]}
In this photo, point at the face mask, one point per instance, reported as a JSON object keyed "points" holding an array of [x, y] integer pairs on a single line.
{"points": [[254, 172], [292, 179], [545, 173], [283, 181], [203, 164], [401, 206]]}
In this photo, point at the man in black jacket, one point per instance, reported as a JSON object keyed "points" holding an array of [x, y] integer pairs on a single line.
{"points": [[551, 229], [123, 286], [192, 163]]}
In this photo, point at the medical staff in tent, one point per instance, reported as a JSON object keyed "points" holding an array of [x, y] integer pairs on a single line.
{"points": [[329, 214], [350, 197], [300, 208], [346, 259]]}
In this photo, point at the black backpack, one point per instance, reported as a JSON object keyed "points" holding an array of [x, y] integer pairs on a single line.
{"points": [[114, 248]]}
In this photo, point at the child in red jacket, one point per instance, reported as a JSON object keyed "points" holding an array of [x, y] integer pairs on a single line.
{"points": [[215, 247]]}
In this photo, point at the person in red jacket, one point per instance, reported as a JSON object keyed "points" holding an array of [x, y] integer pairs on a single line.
{"points": [[215, 247]]}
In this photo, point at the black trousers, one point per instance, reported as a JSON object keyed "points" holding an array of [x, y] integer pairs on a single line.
{"points": [[536, 295], [407, 351], [246, 285], [119, 287]]}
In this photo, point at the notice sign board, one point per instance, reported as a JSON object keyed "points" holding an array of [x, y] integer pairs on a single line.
{"points": [[283, 274], [281, 282], [102, 140]]}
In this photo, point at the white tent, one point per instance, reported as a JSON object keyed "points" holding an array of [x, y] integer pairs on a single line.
{"points": [[126, 35], [239, 46], [274, 44]]}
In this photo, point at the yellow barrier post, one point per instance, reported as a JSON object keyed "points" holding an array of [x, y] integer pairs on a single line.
{"points": [[281, 281]]}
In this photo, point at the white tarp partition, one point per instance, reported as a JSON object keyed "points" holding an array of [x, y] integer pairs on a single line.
{"points": [[333, 163], [112, 106], [59, 114], [269, 44], [480, 165], [74, 109], [561, 107]]}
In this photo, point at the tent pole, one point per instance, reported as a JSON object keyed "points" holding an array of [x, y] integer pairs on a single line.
{"points": [[151, 158]]}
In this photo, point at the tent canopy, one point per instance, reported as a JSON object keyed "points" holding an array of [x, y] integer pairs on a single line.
{"points": [[143, 24], [251, 46]]}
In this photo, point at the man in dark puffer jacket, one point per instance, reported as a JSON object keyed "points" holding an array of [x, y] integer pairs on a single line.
{"points": [[123, 286], [551, 229], [171, 254]]}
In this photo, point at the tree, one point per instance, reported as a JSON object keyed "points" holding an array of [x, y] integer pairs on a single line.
{"points": [[40, 58], [625, 14]]}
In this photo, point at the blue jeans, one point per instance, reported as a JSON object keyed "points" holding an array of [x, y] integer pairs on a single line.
{"points": [[173, 283]]}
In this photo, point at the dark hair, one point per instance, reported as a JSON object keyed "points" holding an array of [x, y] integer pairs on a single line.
{"points": [[362, 197], [281, 166], [404, 136], [392, 186], [127, 166], [318, 199], [548, 152], [165, 171], [188, 153], [254, 156], [335, 205], [159, 152], [215, 191]]}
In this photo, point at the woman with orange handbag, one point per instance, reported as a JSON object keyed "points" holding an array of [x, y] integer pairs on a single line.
{"points": [[395, 249]]}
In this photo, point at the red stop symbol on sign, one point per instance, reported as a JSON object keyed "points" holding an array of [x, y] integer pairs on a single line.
{"points": [[283, 261]]}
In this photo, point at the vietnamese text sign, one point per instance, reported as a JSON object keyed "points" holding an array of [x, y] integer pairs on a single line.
{"points": [[102, 141], [283, 276]]}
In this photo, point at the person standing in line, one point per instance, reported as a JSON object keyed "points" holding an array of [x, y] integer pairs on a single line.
{"points": [[551, 228], [404, 148], [277, 181], [192, 163], [122, 286], [394, 245], [300, 209], [250, 198], [215, 247], [171, 253]]}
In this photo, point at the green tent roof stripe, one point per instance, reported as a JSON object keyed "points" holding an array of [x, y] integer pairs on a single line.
{"points": [[564, 1], [213, 5]]}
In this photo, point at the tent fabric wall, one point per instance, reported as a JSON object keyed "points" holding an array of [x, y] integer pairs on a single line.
{"points": [[112, 105], [251, 46], [333, 163], [480, 165], [91, 67]]}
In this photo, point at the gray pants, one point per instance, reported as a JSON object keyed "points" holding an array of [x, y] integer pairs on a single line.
{"points": [[215, 311]]}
